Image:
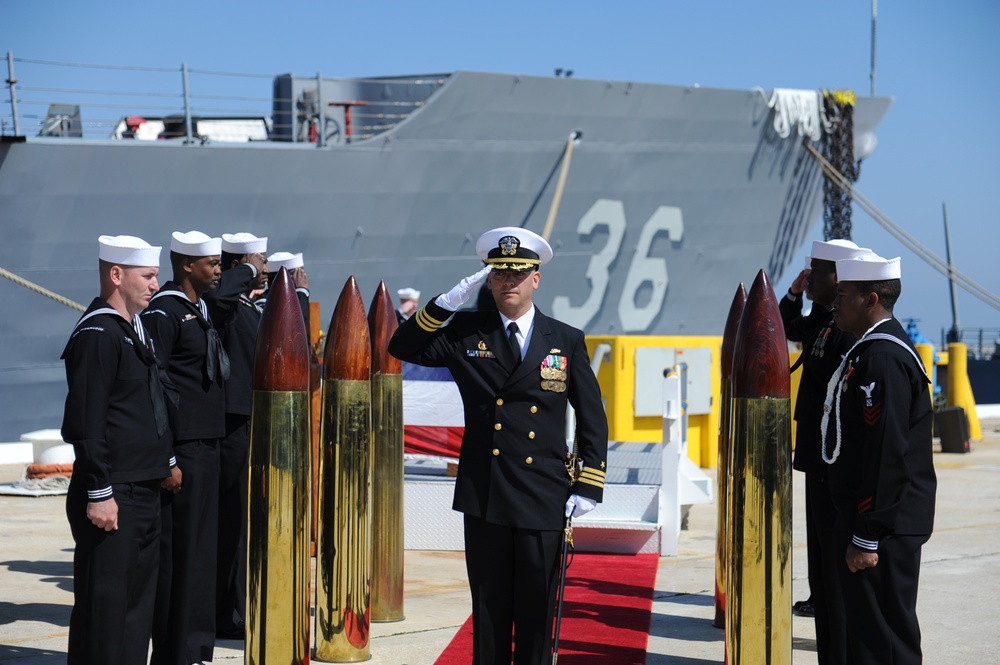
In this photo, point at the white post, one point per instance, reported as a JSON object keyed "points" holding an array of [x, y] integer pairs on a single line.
{"points": [[670, 505]]}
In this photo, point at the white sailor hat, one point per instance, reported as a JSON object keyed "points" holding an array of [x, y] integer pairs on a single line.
{"points": [[868, 268], [513, 248], [195, 243], [243, 243], [287, 260], [408, 294], [128, 251], [834, 250]]}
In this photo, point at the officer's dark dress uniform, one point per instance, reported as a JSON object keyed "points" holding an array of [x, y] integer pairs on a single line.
{"points": [[823, 347], [185, 340], [883, 486], [512, 482], [115, 417], [238, 329]]}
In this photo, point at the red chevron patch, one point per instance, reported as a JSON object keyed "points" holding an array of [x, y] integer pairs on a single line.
{"points": [[872, 414], [865, 505]]}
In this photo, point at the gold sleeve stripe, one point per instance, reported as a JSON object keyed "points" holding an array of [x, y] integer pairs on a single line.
{"points": [[589, 470], [591, 476], [427, 322]]}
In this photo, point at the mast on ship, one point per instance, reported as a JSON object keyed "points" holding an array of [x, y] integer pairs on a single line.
{"points": [[955, 334]]}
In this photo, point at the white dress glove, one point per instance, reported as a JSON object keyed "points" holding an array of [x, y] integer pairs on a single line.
{"points": [[577, 505], [460, 295]]}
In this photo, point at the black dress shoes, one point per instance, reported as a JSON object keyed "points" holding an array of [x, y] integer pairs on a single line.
{"points": [[233, 632]]}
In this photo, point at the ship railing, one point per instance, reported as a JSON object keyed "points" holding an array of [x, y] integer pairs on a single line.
{"points": [[105, 97], [982, 343]]}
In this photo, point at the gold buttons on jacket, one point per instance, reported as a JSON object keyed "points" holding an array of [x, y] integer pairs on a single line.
{"points": [[531, 435], [500, 402], [528, 461], [498, 427], [496, 452], [534, 409]]}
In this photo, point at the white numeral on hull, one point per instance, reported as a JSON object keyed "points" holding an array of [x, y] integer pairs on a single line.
{"points": [[643, 269]]}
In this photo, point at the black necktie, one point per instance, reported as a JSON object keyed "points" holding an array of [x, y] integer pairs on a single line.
{"points": [[515, 346], [216, 358], [160, 385]]}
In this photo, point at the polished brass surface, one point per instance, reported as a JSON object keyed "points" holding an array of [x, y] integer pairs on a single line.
{"points": [[278, 567], [721, 529], [344, 533], [387, 498], [759, 577], [729, 341]]}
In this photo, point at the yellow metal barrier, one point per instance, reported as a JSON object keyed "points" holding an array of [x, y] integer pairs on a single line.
{"points": [[617, 376]]}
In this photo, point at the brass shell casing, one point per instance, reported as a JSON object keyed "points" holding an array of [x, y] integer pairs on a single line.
{"points": [[278, 564], [344, 531], [759, 502], [722, 506], [724, 457], [387, 500]]}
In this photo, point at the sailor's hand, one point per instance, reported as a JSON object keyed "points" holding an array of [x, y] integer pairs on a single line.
{"points": [[258, 260], [103, 514], [858, 559], [299, 278], [460, 295], [172, 483], [577, 505], [800, 283]]}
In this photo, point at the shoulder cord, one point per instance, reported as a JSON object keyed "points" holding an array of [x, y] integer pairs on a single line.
{"points": [[834, 387]]}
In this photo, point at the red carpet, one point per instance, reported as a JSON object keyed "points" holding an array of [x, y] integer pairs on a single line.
{"points": [[606, 612]]}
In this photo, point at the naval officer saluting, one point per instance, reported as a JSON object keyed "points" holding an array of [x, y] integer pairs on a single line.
{"points": [[516, 369]]}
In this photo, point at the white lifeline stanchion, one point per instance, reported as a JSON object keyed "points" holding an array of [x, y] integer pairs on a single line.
{"points": [[673, 448]]}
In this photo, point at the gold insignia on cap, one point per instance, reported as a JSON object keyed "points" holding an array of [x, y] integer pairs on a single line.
{"points": [[525, 264], [509, 245]]}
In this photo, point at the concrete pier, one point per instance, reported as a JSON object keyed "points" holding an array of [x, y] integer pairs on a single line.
{"points": [[957, 601]]}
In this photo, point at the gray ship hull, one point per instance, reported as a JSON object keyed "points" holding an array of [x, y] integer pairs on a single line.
{"points": [[673, 196]]}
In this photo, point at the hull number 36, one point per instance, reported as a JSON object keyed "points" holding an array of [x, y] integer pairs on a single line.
{"points": [[644, 269]]}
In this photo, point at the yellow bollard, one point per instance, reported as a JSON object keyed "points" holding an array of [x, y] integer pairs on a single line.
{"points": [[959, 390]]}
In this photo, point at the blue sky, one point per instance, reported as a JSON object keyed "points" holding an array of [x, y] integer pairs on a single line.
{"points": [[940, 61]]}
